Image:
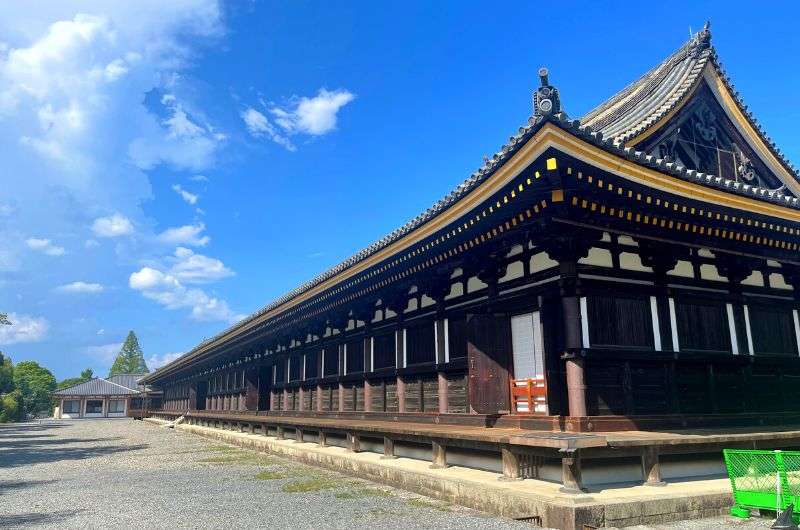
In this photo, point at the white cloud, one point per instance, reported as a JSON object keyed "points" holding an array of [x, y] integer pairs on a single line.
{"points": [[74, 81], [24, 328], [166, 290], [113, 226], [199, 178], [157, 361], [185, 235], [101, 331], [187, 144], [190, 198], [259, 126], [91, 243], [315, 116], [44, 246], [189, 267], [169, 287], [105, 353], [80, 288]]}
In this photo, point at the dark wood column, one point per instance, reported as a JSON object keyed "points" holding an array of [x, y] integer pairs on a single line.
{"points": [[397, 301], [567, 248], [736, 269], [437, 287], [662, 258]]}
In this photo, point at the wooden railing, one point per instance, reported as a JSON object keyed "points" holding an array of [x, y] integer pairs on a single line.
{"points": [[528, 396]]}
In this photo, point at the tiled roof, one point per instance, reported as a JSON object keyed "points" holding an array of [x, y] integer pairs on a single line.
{"points": [[96, 387], [641, 105], [492, 164], [127, 380]]}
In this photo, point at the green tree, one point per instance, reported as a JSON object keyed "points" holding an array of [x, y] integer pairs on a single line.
{"points": [[130, 359], [72, 381], [6, 374], [9, 398], [9, 407], [34, 383]]}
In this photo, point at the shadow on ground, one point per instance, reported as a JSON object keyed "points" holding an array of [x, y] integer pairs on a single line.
{"points": [[8, 485], [20, 447], [35, 519]]}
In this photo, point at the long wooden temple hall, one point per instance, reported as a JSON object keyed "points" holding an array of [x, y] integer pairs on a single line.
{"points": [[608, 298]]}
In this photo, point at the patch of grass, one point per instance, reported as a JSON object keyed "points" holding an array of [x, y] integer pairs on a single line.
{"points": [[309, 485], [222, 448], [241, 459], [359, 493], [271, 475], [432, 505]]}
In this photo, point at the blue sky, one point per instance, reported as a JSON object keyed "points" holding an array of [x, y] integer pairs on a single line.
{"points": [[169, 167]]}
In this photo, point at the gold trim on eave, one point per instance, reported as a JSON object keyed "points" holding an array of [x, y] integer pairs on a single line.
{"points": [[643, 175]]}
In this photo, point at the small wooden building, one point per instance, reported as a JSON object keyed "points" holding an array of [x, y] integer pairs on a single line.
{"points": [[98, 397], [633, 269]]}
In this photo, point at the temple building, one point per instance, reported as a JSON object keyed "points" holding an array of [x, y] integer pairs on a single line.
{"points": [[632, 270], [114, 397]]}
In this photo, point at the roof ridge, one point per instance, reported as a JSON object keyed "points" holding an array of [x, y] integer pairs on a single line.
{"points": [[630, 87], [117, 384]]}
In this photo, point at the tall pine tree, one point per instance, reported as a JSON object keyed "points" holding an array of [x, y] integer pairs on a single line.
{"points": [[130, 359]]}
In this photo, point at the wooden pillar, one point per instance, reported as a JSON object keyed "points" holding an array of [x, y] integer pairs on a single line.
{"points": [[571, 479], [401, 394], [439, 455], [285, 399], [510, 464], [388, 448], [353, 442], [298, 434], [444, 403], [301, 395], [441, 359], [319, 398], [651, 467], [281, 434], [573, 355], [322, 439], [367, 396], [341, 397], [400, 358]]}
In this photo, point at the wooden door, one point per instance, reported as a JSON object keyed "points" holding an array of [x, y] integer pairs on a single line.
{"points": [[200, 395], [264, 387], [488, 355], [251, 395]]}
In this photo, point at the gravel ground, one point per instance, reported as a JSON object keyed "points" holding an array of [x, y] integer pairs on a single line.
{"points": [[121, 473]]}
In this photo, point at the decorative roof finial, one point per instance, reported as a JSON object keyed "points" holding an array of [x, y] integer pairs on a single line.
{"points": [[701, 41], [545, 100]]}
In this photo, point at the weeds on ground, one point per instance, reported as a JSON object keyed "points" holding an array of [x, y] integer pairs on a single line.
{"points": [[360, 493], [310, 485], [271, 475], [424, 503]]}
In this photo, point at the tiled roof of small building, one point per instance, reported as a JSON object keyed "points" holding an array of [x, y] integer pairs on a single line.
{"points": [[127, 380], [96, 387]]}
